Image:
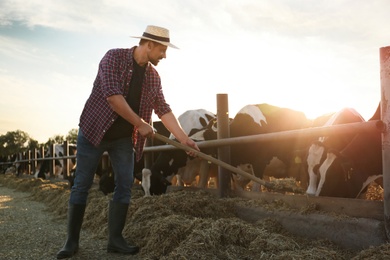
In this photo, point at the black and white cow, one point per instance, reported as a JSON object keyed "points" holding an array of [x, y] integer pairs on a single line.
{"points": [[44, 167], [106, 179], [262, 119], [168, 163], [192, 121], [318, 150], [12, 167], [348, 172]]}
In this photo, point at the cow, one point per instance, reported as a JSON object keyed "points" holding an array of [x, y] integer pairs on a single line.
{"points": [[261, 119], [277, 158], [348, 172], [12, 170], [106, 180], [318, 150], [12, 167], [169, 163], [44, 167], [186, 176], [192, 121]]}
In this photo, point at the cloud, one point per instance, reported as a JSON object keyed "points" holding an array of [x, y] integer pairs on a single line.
{"points": [[63, 15], [84, 16], [357, 21]]}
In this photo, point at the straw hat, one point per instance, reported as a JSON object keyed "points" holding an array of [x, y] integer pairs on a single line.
{"points": [[157, 34]]}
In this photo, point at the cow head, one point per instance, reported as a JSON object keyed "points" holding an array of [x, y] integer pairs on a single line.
{"points": [[316, 156], [348, 173], [107, 181], [167, 164]]}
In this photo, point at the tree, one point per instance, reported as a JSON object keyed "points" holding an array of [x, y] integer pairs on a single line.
{"points": [[33, 144], [72, 136], [56, 139], [14, 142]]}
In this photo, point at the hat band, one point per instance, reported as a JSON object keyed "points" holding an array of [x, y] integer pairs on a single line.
{"points": [[154, 37]]}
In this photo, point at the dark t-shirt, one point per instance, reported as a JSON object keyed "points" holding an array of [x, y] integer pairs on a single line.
{"points": [[121, 128]]}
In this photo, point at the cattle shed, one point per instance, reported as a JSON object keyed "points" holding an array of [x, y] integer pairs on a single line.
{"points": [[369, 221]]}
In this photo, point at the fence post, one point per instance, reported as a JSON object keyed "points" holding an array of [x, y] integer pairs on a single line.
{"points": [[30, 162], [65, 162], [224, 151], [52, 163], [33, 161], [42, 151], [385, 116], [22, 166]]}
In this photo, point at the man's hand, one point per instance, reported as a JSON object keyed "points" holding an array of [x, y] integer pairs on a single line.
{"points": [[191, 143], [145, 129]]}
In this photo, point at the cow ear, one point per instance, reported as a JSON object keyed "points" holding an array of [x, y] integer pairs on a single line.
{"points": [[209, 117], [202, 121]]}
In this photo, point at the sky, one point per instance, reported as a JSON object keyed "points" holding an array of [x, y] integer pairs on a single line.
{"points": [[314, 56]]}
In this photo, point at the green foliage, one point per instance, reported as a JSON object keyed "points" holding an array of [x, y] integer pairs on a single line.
{"points": [[33, 144], [72, 136], [14, 142], [56, 139]]}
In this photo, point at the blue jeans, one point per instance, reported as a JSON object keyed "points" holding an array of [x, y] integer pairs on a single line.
{"points": [[88, 157]]}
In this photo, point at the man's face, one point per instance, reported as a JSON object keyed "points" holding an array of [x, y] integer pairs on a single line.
{"points": [[156, 52]]}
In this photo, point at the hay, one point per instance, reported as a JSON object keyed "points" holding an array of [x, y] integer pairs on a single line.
{"points": [[288, 185], [374, 192], [191, 225]]}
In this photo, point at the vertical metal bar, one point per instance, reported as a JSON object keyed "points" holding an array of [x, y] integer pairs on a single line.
{"points": [[30, 162], [42, 151], [26, 164], [33, 161], [52, 162], [223, 152], [385, 116], [65, 162], [21, 165]]}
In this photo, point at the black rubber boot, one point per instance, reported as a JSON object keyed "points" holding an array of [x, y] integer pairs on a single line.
{"points": [[75, 219], [116, 222]]}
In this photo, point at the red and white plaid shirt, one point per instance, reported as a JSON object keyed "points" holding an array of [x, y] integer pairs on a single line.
{"points": [[113, 78]]}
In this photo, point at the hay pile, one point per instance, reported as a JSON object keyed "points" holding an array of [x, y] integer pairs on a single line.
{"points": [[189, 225]]}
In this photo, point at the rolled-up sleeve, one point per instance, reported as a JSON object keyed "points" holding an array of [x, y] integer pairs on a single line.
{"points": [[111, 73], [161, 106]]}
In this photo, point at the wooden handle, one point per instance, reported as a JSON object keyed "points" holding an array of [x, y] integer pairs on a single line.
{"points": [[220, 163]]}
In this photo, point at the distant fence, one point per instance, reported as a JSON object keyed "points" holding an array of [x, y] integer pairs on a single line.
{"points": [[27, 162]]}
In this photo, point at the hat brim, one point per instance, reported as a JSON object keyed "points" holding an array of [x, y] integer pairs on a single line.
{"points": [[153, 40]]}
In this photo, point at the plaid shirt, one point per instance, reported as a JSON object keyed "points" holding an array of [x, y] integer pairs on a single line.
{"points": [[113, 78]]}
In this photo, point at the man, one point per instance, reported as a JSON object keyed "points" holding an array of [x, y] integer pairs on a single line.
{"points": [[115, 119]]}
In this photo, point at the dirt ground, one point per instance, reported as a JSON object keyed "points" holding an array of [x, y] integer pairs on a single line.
{"points": [[178, 225]]}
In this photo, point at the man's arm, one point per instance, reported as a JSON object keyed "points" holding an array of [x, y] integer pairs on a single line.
{"points": [[120, 106]]}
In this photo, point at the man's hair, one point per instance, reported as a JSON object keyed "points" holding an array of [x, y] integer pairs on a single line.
{"points": [[144, 41]]}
